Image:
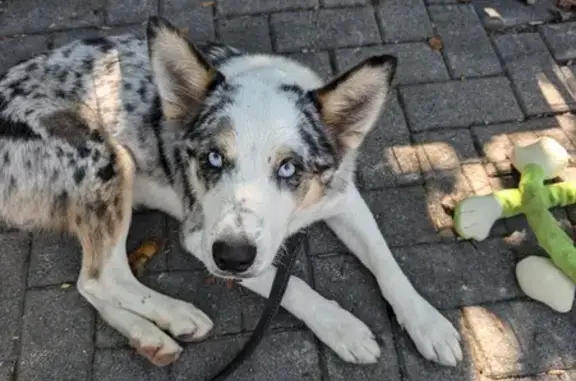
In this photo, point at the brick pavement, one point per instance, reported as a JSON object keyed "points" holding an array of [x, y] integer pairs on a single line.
{"points": [[505, 74]]}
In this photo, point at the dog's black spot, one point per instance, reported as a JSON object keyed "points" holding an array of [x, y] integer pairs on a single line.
{"points": [[6, 158], [59, 152], [3, 103], [33, 66], [155, 120], [61, 202], [107, 172], [12, 130], [12, 184], [83, 151], [142, 91], [104, 44], [127, 86], [28, 164], [96, 155], [62, 76], [88, 64], [66, 53], [78, 220], [55, 175], [129, 107], [28, 112], [293, 89], [60, 94], [96, 136], [79, 174], [100, 210]]}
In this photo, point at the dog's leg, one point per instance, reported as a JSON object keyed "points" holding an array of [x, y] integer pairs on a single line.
{"points": [[107, 282], [345, 334], [434, 336]]}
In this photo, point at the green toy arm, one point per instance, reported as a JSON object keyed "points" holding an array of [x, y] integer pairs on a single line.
{"points": [[554, 195], [535, 203]]}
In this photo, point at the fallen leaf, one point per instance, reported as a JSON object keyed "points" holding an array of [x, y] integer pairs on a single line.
{"points": [[139, 257], [210, 281], [208, 3], [555, 372], [229, 284], [435, 43], [65, 285], [567, 5]]}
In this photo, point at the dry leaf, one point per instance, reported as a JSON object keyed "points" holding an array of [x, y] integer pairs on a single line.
{"points": [[65, 285], [567, 5], [555, 372], [435, 43], [208, 3], [210, 281], [139, 257], [229, 284]]}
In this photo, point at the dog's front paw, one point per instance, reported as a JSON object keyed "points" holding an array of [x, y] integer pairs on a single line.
{"points": [[345, 334], [184, 321], [434, 336]]}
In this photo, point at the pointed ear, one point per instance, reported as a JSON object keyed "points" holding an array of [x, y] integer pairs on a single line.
{"points": [[351, 104], [182, 75]]}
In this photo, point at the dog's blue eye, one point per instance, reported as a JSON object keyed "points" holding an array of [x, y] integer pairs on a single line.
{"points": [[215, 159], [287, 170]]}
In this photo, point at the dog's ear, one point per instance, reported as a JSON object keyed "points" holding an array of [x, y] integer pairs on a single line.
{"points": [[352, 102], [181, 73]]}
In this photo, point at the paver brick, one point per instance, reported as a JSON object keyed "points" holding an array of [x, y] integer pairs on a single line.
{"points": [[404, 20], [520, 338], [478, 101], [247, 33], [402, 215], [234, 7], [466, 46], [474, 274], [57, 336], [337, 3], [319, 62], [446, 149], [322, 240], [17, 49], [199, 19], [130, 11], [63, 38], [417, 62], [290, 354], [326, 28], [542, 85], [124, 365], [500, 15], [7, 368], [55, 259], [39, 16], [10, 311], [15, 249], [561, 39]]}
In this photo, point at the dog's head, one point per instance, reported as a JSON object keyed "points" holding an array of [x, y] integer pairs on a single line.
{"points": [[260, 145]]}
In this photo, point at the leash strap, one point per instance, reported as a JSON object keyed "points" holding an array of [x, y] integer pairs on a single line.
{"points": [[295, 246]]}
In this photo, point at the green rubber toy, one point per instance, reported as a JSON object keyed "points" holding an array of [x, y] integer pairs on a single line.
{"points": [[548, 280]]}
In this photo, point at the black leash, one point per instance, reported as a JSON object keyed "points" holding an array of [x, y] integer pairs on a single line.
{"points": [[294, 247]]}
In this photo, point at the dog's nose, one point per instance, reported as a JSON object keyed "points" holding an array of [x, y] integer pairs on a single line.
{"points": [[233, 257]]}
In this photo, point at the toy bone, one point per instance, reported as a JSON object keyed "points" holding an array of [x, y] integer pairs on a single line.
{"points": [[551, 282]]}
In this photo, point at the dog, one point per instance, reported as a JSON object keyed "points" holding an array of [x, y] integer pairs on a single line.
{"points": [[243, 149]]}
